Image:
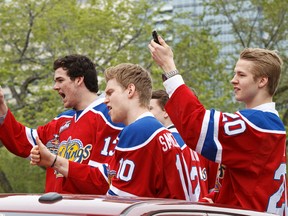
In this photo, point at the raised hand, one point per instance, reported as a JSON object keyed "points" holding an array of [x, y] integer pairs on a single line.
{"points": [[162, 54], [3, 106], [40, 155]]}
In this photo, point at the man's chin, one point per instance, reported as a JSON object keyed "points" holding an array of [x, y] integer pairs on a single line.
{"points": [[238, 99], [67, 106], [115, 120]]}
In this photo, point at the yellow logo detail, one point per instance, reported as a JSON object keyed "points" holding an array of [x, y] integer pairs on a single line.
{"points": [[73, 150]]}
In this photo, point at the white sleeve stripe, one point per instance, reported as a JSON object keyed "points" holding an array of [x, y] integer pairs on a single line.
{"points": [[94, 163], [31, 135], [99, 166], [120, 192], [216, 140], [203, 132]]}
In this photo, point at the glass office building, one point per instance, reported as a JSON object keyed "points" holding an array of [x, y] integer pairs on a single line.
{"points": [[219, 24]]}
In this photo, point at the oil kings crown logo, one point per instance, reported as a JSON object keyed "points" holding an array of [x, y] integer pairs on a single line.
{"points": [[71, 149], [74, 150]]}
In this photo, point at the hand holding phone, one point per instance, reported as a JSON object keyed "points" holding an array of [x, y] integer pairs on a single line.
{"points": [[155, 37]]}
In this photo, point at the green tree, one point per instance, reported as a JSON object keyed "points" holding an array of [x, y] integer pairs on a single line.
{"points": [[196, 56], [34, 33]]}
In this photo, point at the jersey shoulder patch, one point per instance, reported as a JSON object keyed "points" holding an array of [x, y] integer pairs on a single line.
{"points": [[139, 132], [263, 120]]}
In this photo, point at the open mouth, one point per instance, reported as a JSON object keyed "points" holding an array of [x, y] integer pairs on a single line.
{"points": [[62, 95]]}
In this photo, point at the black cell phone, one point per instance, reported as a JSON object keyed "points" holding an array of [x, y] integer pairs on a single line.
{"points": [[155, 37]]}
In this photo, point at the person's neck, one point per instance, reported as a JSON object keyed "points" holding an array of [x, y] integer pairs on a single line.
{"points": [[256, 103], [86, 100], [134, 114], [167, 122]]}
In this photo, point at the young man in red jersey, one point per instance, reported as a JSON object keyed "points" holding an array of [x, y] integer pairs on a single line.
{"points": [[80, 138], [250, 143]]}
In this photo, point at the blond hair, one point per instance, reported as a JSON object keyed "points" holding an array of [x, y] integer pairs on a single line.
{"points": [[267, 63], [127, 73]]}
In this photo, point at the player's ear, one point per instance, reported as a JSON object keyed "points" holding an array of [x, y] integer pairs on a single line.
{"points": [[263, 81], [131, 89], [165, 114], [79, 80]]}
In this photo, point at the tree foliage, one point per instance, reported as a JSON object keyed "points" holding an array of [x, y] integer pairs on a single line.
{"points": [[37, 32], [196, 57], [34, 33]]}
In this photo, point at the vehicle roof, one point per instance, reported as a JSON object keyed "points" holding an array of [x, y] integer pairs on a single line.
{"points": [[106, 205]]}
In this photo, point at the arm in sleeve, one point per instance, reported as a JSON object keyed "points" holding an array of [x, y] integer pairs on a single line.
{"points": [[17, 138], [86, 179]]}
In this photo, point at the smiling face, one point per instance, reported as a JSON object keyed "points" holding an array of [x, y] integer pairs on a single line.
{"points": [[116, 100], [66, 88], [246, 87]]}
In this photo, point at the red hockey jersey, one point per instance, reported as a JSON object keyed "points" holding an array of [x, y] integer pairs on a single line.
{"points": [[202, 172], [81, 137], [148, 162], [249, 143]]}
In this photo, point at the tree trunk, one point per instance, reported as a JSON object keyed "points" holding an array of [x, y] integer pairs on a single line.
{"points": [[4, 183]]}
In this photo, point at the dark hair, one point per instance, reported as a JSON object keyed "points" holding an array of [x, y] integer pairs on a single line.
{"points": [[161, 96], [78, 66]]}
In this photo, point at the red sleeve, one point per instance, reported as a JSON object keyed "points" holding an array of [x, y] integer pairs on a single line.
{"points": [[19, 139], [83, 178], [185, 114], [13, 136]]}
